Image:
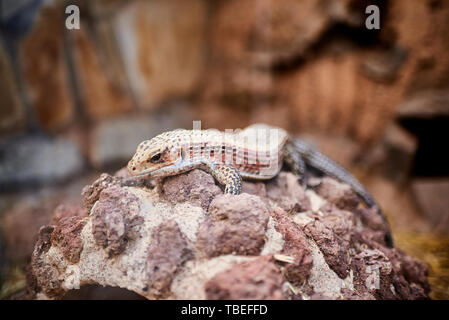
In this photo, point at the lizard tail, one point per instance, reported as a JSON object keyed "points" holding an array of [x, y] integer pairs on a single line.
{"points": [[324, 164]]}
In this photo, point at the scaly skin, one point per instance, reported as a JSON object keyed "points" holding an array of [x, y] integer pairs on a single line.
{"points": [[229, 157]]}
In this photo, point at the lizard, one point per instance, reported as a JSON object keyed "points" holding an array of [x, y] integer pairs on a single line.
{"points": [[257, 153]]}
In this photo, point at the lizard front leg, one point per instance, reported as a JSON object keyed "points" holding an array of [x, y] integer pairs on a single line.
{"points": [[228, 176]]}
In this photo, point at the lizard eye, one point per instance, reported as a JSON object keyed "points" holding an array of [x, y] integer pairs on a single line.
{"points": [[155, 158]]}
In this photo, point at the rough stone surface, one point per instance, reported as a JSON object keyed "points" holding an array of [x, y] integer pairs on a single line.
{"points": [[91, 193], [115, 218], [335, 254], [286, 191], [340, 195], [67, 237], [332, 234], [196, 186], [255, 188], [68, 210], [238, 247], [235, 224], [394, 274], [254, 280], [44, 275], [295, 245], [168, 252]]}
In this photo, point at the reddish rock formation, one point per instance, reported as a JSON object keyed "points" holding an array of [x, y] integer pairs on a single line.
{"points": [[254, 280], [66, 236], [197, 187], [169, 251], [235, 224], [169, 242], [115, 219]]}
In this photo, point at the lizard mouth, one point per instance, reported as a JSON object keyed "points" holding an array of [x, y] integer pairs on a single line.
{"points": [[167, 170], [141, 175]]}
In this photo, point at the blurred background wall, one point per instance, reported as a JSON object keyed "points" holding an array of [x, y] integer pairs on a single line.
{"points": [[74, 103]]}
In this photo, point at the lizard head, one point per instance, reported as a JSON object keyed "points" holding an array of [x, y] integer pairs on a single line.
{"points": [[153, 159]]}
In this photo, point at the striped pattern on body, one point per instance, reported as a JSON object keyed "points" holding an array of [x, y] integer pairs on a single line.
{"points": [[255, 152]]}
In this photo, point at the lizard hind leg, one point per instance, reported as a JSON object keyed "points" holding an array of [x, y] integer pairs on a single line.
{"points": [[229, 177], [296, 163]]}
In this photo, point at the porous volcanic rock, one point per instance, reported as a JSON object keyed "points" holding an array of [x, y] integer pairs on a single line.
{"points": [[257, 279], [182, 238]]}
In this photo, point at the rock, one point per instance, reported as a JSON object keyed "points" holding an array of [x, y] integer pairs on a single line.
{"points": [[114, 219], [254, 188], [197, 187], [277, 32], [102, 94], [44, 275], [398, 150], [91, 193], [425, 104], [68, 210], [378, 230], [23, 214], [161, 44], [338, 193], [169, 251], [384, 66], [287, 191], [165, 242], [235, 224], [431, 196], [66, 236], [43, 64], [295, 245], [407, 279], [254, 280], [348, 294], [30, 160], [334, 250]]}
